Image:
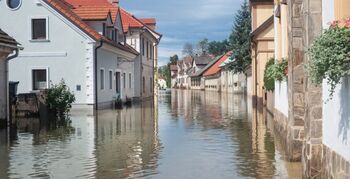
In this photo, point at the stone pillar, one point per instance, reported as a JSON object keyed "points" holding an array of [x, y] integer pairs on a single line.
{"points": [[313, 147], [296, 81]]}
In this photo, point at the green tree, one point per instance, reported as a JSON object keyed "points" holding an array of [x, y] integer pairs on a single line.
{"points": [[202, 46], [218, 47], [240, 40], [174, 59]]}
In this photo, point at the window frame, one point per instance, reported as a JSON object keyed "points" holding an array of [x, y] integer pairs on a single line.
{"points": [[32, 77], [102, 85], [31, 28], [130, 80], [110, 75], [13, 9], [124, 80]]}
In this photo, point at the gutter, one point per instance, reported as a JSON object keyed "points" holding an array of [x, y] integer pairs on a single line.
{"points": [[7, 85], [95, 77]]}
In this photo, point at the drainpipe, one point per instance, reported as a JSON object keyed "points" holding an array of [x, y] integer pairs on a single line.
{"points": [[254, 43], [7, 86], [95, 79]]}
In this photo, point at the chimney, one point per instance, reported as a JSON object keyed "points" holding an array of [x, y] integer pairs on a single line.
{"points": [[114, 2]]}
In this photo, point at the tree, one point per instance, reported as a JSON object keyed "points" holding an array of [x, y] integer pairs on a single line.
{"points": [[188, 49], [174, 59], [240, 40], [202, 46], [218, 48]]}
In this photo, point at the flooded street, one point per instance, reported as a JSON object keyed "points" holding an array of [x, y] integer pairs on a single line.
{"points": [[187, 134]]}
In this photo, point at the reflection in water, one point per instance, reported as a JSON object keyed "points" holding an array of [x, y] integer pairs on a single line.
{"points": [[188, 134]]}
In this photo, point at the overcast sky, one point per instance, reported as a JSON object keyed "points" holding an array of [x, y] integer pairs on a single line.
{"points": [[182, 21]]}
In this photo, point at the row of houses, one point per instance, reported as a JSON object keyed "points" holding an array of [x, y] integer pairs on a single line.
{"points": [[313, 127], [205, 72], [99, 49]]}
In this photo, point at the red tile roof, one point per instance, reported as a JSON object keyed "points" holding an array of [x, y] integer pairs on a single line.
{"points": [[148, 21], [94, 9], [67, 11], [216, 67], [130, 20]]}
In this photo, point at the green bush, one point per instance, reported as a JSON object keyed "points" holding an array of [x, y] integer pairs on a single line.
{"points": [[329, 56], [269, 81], [59, 99], [274, 72]]}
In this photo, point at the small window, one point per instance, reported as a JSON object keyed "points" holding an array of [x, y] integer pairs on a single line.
{"points": [[110, 79], [124, 81], [102, 79], [143, 84], [39, 29], [13, 4], [39, 79], [130, 81], [78, 87], [147, 50], [143, 46]]}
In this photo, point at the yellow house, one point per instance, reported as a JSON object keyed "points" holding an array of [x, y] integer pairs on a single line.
{"points": [[262, 38]]}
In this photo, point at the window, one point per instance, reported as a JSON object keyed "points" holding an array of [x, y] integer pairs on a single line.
{"points": [[151, 51], [130, 81], [143, 46], [102, 79], [13, 4], [147, 51], [39, 29], [39, 79], [124, 80], [143, 85], [104, 29], [110, 79]]}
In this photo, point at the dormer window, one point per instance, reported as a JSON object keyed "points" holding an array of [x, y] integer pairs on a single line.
{"points": [[39, 29]]}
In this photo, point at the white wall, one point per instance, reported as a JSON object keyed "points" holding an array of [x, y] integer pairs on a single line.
{"points": [[64, 55], [336, 118], [109, 62], [281, 97], [3, 91], [336, 112]]}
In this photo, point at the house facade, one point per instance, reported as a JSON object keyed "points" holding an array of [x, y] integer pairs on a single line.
{"points": [[184, 67], [145, 40], [200, 65], [173, 75], [262, 38], [81, 42], [231, 82], [8, 45], [309, 122], [212, 77]]}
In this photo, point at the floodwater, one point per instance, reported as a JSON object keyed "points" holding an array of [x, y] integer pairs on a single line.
{"points": [[185, 134]]}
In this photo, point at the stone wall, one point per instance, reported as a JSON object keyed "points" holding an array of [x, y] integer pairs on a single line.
{"points": [[334, 165], [312, 150], [296, 79]]}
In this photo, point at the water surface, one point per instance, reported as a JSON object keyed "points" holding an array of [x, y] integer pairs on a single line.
{"points": [[185, 134]]}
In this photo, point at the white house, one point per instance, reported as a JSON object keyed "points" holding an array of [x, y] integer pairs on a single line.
{"points": [[7, 46], [173, 74], [162, 83], [84, 45], [141, 35], [184, 67], [200, 65]]}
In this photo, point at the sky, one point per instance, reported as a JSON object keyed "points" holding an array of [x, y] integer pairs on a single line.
{"points": [[181, 21]]}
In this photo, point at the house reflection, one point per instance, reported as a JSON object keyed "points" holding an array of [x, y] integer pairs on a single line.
{"points": [[127, 143], [253, 143]]}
